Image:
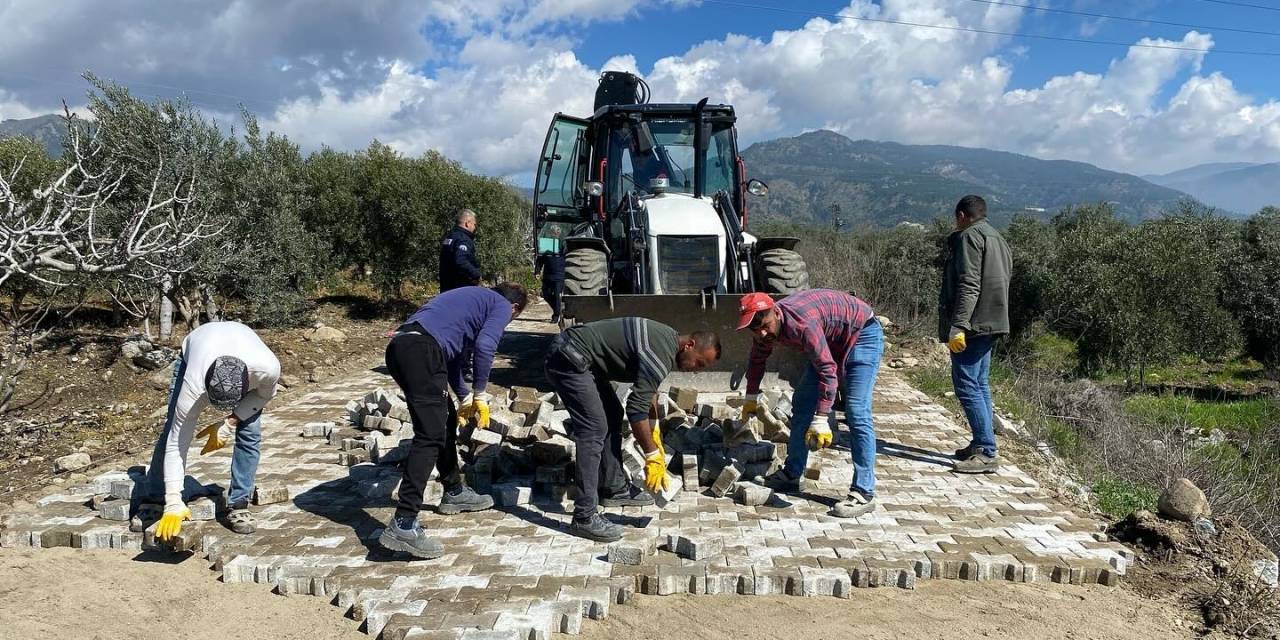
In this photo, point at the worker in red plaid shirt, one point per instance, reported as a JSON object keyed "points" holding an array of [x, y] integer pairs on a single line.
{"points": [[843, 342]]}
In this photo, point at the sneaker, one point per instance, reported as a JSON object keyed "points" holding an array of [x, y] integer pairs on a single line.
{"points": [[146, 515], [240, 520], [464, 500], [782, 481], [414, 542], [596, 528], [967, 451], [855, 504], [630, 496], [978, 463]]}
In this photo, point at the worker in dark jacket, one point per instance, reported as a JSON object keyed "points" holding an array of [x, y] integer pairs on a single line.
{"points": [[581, 363], [459, 266], [425, 359], [973, 310], [550, 264]]}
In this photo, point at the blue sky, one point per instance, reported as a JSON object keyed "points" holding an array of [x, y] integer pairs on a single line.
{"points": [[479, 79]]}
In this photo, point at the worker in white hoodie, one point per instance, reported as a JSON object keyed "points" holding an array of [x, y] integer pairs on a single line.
{"points": [[227, 366]]}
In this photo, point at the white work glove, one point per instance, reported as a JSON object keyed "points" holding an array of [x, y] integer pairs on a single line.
{"points": [[819, 434]]}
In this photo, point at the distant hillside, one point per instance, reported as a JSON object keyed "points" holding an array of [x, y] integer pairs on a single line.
{"points": [[1239, 187], [47, 130], [884, 183]]}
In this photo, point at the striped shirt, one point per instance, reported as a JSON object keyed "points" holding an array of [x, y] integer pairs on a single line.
{"points": [[635, 350], [825, 325]]}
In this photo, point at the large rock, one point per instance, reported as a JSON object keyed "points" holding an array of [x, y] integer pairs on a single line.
{"points": [[73, 462], [326, 334], [134, 346], [1184, 501], [154, 360]]}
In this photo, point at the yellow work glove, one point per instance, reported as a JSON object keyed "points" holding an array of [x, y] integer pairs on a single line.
{"points": [[657, 437], [819, 434], [955, 340], [754, 406], [655, 471], [175, 511], [219, 435], [475, 405]]}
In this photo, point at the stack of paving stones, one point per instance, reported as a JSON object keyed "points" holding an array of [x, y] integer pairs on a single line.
{"points": [[527, 448], [514, 572]]}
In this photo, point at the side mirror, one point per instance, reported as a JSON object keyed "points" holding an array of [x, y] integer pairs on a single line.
{"points": [[757, 188]]}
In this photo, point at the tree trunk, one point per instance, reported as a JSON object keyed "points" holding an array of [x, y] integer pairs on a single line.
{"points": [[166, 307], [212, 313]]}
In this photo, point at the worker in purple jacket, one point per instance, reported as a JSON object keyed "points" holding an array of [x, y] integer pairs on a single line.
{"points": [[425, 358]]}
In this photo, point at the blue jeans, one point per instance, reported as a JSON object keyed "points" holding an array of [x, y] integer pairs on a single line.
{"points": [[970, 375], [860, 369], [244, 457]]}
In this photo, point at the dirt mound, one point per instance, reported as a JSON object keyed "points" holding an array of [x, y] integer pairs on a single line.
{"points": [[1213, 566]]}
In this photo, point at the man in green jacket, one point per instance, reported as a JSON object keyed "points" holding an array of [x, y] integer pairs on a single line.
{"points": [[973, 310]]}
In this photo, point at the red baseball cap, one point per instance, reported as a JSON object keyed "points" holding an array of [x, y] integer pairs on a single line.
{"points": [[751, 304]]}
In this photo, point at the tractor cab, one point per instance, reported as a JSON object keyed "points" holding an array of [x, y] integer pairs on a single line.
{"points": [[650, 206]]}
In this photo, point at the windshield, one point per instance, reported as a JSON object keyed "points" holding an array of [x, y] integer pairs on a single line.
{"points": [[671, 158]]}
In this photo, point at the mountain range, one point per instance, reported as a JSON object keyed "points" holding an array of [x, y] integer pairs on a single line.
{"points": [[886, 183], [47, 130], [1239, 187]]}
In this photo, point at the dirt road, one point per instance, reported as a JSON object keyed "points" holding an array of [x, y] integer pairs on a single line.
{"points": [[70, 593]]}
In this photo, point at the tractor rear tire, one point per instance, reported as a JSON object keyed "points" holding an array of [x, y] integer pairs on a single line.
{"points": [[781, 271], [586, 272]]}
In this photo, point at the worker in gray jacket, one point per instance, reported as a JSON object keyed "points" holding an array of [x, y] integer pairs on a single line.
{"points": [[973, 310], [224, 365], [580, 365]]}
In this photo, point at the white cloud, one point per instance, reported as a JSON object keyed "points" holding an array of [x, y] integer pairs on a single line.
{"points": [[483, 82]]}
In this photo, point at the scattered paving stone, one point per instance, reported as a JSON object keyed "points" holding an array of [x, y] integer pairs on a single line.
{"points": [[725, 481], [695, 547], [115, 509], [751, 495], [627, 553], [270, 494], [317, 429]]}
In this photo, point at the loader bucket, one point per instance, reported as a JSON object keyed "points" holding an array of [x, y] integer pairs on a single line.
{"points": [[687, 313]]}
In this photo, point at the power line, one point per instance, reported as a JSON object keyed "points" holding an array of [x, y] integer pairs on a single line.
{"points": [[1124, 18], [1010, 34], [1243, 4]]}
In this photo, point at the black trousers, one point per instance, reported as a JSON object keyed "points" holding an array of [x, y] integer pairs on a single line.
{"points": [[551, 292], [417, 364], [598, 420]]}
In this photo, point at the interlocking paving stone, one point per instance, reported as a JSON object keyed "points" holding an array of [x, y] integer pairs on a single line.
{"points": [[515, 572]]}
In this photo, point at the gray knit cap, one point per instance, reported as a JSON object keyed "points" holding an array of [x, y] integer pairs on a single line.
{"points": [[226, 382]]}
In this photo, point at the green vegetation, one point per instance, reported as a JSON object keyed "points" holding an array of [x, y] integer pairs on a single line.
{"points": [[1119, 498], [1239, 417]]}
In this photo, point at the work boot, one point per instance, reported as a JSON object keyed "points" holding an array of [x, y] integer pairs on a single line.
{"points": [[630, 496], [782, 481], [146, 515], [978, 463], [855, 504], [463, 498], [967, 451], [596, 528], [413, 541], [240, 520]]}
